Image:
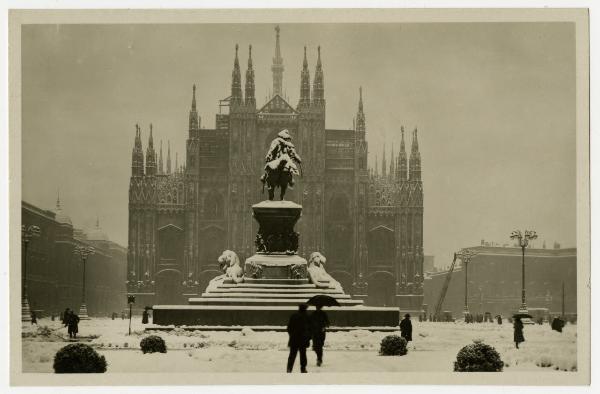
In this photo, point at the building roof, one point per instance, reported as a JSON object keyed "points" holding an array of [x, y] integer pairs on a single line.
{"points": [[97, 234], [60, 216]]}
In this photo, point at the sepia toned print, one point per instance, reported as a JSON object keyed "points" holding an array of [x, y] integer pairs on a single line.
{"points": [[343, 199]]}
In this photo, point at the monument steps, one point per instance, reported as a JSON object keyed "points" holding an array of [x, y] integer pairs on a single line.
{"points": [[261, 301], [299, 296], [265, 285]]}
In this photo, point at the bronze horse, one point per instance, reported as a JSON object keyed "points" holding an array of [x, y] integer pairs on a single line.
{"points": [[279, 177]]}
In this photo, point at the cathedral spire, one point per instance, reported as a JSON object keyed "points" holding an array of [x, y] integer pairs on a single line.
{"points": [[150, 155], [361, 128], [318, 82], [194, 123], [415, 159], [304, 85], [402, 166], [383, 164], [392, 165], [250, 99], [376, 166], [137, 154], [168, 156], [236, 80], [160, 161], [277, 67]]}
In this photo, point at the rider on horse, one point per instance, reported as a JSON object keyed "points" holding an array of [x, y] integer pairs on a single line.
{"points": [[282, 164]]}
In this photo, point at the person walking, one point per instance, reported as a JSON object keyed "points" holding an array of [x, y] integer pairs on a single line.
{"points": [[73, 325], [518, 328], [65, 317], [145, 316], [33, 317], [406, 328], [298, 329], [558, 324], [319, 324], [499, 319]]}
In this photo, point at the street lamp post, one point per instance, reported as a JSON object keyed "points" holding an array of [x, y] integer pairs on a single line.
{"points": [[466, 255], [27, 233], [83, 252], [523, 243]]}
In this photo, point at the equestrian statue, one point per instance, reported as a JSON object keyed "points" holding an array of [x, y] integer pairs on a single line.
{"points": [[282, 164]]}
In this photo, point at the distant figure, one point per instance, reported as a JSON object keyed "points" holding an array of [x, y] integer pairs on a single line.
{"points": [[65, 317], [406, 328], [53, 316], [298, 329], [499, 319], [518, 327], [33, 317], [319, 324], [114, 315], [145, 316], [558, 324], [73, 325], [430, 317]]}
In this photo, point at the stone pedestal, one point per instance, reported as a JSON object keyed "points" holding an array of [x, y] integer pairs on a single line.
{"points": [[25, 310], [83, 314], [276, 220], [276, 243]]}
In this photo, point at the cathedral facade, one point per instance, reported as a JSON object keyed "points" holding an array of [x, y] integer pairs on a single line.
{"points": [[367, 222]]}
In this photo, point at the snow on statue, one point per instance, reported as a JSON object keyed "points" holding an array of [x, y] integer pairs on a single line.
{"points": [[317, 274], [282, 164], [230, 263]]}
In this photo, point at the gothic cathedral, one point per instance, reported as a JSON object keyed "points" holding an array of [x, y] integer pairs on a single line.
{"points": [[367, 222]]}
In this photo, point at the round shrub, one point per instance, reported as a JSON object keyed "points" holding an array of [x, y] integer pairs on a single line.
{"points": [[78, 358], [393, 345], [153, 344], [478, 357]]}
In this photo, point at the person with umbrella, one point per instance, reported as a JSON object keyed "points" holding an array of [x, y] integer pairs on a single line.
{"points": [[298, 329], [406, 328], [319, 324], [518, 331]]}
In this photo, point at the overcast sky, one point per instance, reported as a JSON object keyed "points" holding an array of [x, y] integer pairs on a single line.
{"points": [[494, 104]]}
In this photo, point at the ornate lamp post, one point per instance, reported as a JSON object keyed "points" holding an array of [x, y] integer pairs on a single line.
{"points": [[466, 255], [523, 243], [83, 252], [27, 233]]}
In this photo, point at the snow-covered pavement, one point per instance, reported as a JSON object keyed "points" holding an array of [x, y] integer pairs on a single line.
{"points": [[434, 348]]}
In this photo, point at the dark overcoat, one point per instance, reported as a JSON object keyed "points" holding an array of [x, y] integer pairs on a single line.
{"points": [[518, 327], [319, 323], [73, 323], [298, 329], [406, 329]]}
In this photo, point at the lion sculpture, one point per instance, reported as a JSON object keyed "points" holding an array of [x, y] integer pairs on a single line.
{"points": [[230, 264], [317, 274]]}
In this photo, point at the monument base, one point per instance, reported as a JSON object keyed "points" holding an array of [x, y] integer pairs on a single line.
{"points": [[233, 315]]}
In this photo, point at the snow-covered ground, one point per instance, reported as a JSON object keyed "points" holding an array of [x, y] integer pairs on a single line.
{"points": [[434, 348]]}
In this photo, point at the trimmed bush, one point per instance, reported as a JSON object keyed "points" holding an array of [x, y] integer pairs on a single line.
{"points": [[393, 345], [78, 358], [478, 357], [153, 344]]}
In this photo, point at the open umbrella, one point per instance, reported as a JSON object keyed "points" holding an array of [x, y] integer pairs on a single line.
{"points": [[322, 300]]}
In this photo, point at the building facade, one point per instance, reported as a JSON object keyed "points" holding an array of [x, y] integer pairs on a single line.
{"points": [[494, 281], [54, 274], [367, 222]]}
